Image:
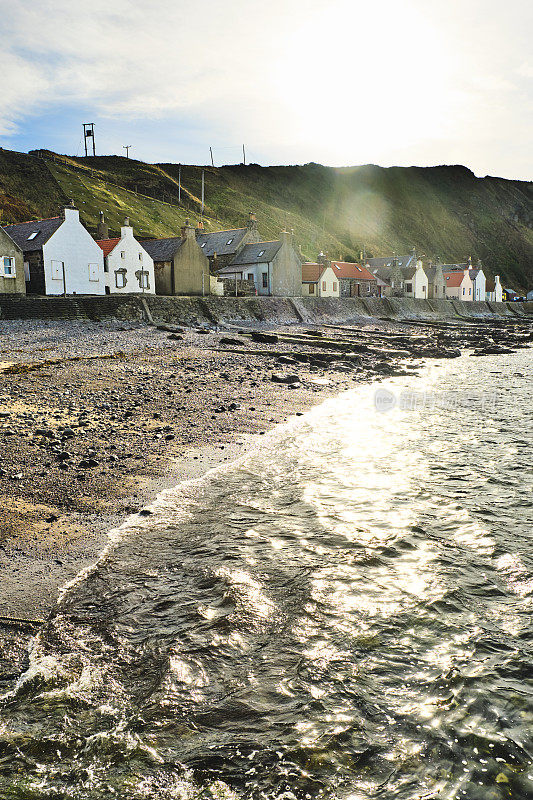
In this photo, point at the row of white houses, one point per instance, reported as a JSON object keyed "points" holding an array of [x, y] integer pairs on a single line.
{"points": [[58, 256]]}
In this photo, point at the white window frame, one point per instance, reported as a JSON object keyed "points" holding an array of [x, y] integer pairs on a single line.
{"points": [[120, 274], [11, 265], [56, 270]]}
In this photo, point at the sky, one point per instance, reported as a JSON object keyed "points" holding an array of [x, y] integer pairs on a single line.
{"points": [[342, 82]]}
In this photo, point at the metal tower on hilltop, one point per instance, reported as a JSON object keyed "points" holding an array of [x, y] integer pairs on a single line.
{"points": [[88, 138]]}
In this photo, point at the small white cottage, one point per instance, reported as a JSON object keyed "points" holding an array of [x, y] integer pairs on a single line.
{"points": [[60, 255], [128, 267], [415, 281]]}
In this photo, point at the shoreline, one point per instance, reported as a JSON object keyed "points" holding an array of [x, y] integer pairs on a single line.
{"points": [[104, 417]]}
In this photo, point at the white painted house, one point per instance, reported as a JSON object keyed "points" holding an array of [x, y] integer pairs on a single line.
{"points": [[60, 255], [494, 290], [128, 267], [479, 284], [415, 281]]}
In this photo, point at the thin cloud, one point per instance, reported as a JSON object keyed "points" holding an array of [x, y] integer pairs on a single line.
{"points": [[341, 82]]}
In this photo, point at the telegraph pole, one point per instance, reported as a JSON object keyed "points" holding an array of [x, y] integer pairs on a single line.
{"points": [[179, 183], [203, 191], [126, 147], [211, 151], [243, 156]]}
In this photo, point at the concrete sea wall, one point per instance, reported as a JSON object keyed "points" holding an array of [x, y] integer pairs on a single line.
{"points": [[282, 310]]}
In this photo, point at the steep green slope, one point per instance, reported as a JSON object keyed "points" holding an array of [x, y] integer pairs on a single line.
{"points": [[442, 211]]}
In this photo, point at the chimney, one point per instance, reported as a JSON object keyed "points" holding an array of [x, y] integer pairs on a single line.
{"points": [[102, 229], [126, 229], [199, 226], [286, 237], [252, 221], [70, 211], [188, 231]]}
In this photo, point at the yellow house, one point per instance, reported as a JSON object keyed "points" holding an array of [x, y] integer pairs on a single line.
{"points": [[319, 280]]}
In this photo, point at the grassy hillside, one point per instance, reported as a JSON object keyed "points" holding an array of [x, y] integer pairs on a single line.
{"points": [[442, 211]]}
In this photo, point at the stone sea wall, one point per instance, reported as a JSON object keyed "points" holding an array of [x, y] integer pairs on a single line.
{"points": [[281, 310]]}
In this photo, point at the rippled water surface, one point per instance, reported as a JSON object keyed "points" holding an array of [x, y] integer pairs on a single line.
{"points": [[346, 613]]}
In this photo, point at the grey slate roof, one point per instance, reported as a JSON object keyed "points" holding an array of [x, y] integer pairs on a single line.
{"points": [[383, 272], [403, 261], [257, 253], [44, 227], [408, 272], [217, 242], [162, 249]]}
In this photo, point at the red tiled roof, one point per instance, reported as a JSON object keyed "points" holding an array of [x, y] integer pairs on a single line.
{"points": [[454, 278], [311, 271], [345, 269], [107, 245]]}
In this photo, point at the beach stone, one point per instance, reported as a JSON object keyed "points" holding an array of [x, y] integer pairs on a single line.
{"points": [[278, 377], [286, 360], [229, 340], [266, 338], [176, 337]]}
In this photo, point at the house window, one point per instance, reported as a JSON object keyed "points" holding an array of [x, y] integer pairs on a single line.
{"points": [[324, 285], [122, 254], [229, 241], [408, 287], [265, 280], [334, 286], [311, 288], [464, 291], [140, 256], [120, 278], [144, 280], [32, 236], [8, 265], [57, 270], [250, 276], [261, 253], [94, 273]]}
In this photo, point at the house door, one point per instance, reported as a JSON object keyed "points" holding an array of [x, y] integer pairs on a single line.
{"points": [[34, 273]]}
